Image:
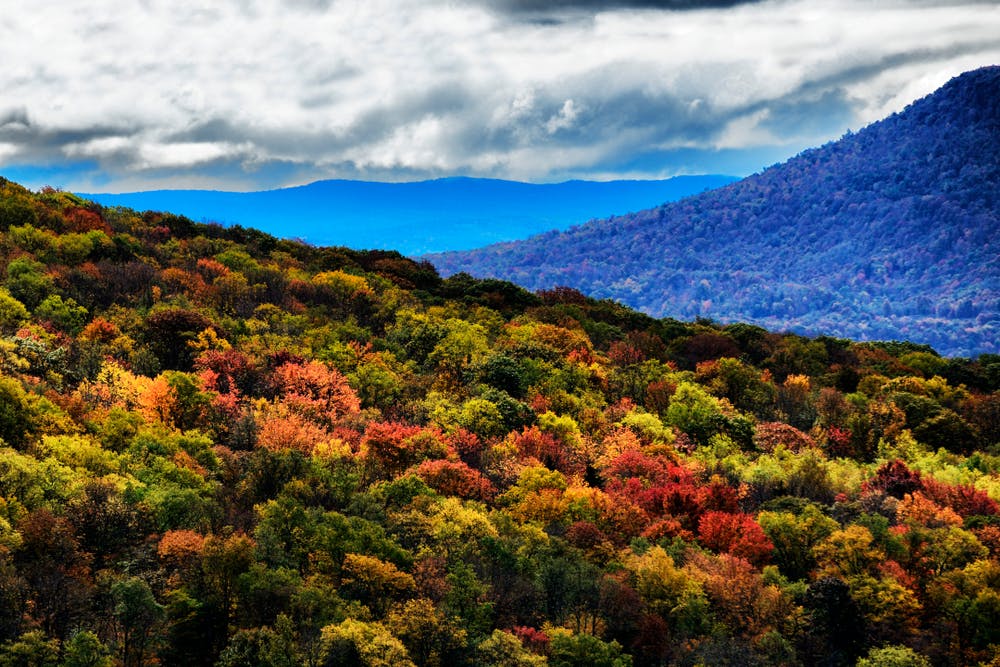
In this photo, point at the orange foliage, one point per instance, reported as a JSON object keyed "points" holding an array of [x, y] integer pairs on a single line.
{"points": [[737, 534], [279, 428], [918, 508], [315, 391], [157, 401], [179, 547]]}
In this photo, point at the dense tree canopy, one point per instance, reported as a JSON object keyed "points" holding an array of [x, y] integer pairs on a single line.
{"points": [[219, 448]]}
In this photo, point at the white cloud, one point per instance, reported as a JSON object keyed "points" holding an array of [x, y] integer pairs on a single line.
{"points": [[260, 93]]}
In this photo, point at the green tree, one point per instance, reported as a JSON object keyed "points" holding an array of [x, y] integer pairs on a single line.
{"points": [[85, 649], [32, 649], [28, 282], [695, 412], [137, 614], [583, 650], [795, 536], [67, 315]]}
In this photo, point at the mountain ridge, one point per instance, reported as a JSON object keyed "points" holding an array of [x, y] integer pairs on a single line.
{"points": [[889, 232], [418, 216]]}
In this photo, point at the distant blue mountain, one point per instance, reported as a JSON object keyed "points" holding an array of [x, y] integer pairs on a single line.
{"points": [[420, 217], [890, 232]]}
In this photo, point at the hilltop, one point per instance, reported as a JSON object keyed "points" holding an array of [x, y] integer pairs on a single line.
{"points": [[889, 232], [221, 448]]}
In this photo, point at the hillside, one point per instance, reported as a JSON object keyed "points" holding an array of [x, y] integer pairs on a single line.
{"points": [[420, 217], [220, 448], [888, 233]]}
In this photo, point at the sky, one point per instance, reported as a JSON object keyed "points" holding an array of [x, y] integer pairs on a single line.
{"points": [[126, 95]]}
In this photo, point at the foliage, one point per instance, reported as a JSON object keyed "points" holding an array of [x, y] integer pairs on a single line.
{"points": [[312, 462]]}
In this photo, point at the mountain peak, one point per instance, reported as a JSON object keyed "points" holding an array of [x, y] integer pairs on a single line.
{"points": [[890, 232]]}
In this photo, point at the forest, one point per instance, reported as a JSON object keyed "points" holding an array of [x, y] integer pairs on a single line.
{"points": [[222, 448], [888, 233]]}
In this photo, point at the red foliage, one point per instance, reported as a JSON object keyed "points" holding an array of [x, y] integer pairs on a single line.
{"points": [[533, 639], [232, 370], [658, 395], [964, 499], [633, 463], [585, 535], [894, 479], [719, 496], [83, 220], [838, 441], [454, 478], [622, 353], [468, 446], [546, 448], [736, 534], [668, 527], [990, 537]]}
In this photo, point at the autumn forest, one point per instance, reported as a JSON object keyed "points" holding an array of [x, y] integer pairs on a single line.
{"points": [[222, 448]]}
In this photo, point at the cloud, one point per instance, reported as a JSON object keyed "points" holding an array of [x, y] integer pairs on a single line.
{"points": [[250, 94], [550, 6]]}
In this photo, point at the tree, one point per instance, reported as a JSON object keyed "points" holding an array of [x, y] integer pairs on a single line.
{"points": [[12, 313], [794, 537], [836, 631], [737, 534], [893, 656], [374, 582], [315, 391], [361, 643], [262, 647], [85, 649], [431, 638], [28, 282], [848, 552], [17, 423], [32, 649], [56, 569], [695, 412], [503, 649], [137, 614], [567, 649]]}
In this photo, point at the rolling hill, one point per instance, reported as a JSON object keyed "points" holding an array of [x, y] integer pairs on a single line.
{"points": [[418, 217], [889, 232]]}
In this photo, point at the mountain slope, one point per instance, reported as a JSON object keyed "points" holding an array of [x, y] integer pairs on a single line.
{"points": [[887, 233], [426, 216]]}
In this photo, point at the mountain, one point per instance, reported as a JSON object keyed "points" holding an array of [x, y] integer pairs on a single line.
{"points": [[420, 217], [890, 232]]}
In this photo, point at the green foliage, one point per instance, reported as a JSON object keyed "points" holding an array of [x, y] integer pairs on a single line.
{"points": [[582, 650], [893, 656]]}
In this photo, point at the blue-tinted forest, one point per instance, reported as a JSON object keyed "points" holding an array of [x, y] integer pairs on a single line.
{"points": [[889, 233]]}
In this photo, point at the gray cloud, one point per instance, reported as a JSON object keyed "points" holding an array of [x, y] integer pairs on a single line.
{"points": [[545, 6], [256, 94]]}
